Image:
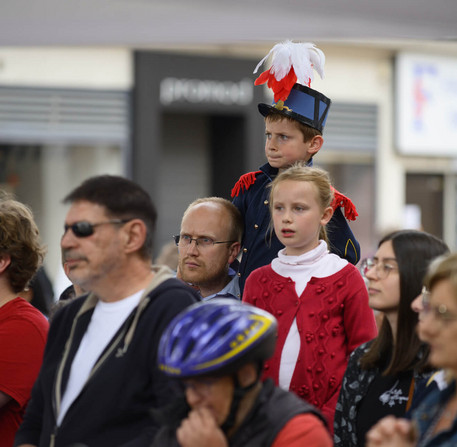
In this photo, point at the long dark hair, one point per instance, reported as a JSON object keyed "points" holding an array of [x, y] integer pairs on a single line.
{"points": [[414, 250]]}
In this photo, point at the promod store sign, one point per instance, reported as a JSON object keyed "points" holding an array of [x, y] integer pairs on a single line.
{"points": [[197, 91]]}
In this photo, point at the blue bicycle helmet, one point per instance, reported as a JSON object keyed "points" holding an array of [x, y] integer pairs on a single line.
{"points": [[216, 338]]}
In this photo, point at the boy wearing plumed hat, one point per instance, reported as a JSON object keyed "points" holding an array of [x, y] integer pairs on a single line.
{"points": [[293, 127]]}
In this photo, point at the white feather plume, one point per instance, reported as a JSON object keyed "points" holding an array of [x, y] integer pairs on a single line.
{"points": [[303, 57]]}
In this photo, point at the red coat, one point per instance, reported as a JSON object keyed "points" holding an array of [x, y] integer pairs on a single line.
{"points": [[333, 318]]}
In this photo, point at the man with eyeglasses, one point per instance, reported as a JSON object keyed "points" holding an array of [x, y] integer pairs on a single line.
{"points": [[209, 241], [99, 378]]}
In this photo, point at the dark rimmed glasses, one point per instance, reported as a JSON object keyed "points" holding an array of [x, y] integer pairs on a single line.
{"points": [[86, 229], [202, 242]]}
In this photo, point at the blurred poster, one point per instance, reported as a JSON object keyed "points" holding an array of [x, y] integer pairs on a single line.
{"points": [[426, 105]]}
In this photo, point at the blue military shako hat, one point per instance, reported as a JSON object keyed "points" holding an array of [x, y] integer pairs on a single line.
{"points": [[289, 77], [303, 104]]}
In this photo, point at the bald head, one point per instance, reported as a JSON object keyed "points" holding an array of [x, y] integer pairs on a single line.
{"points": [[224, 207], [207, 266]]}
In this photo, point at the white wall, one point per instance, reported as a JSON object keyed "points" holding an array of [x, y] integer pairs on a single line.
{"points": [[106, 68], [353, 74], [365, 76]]}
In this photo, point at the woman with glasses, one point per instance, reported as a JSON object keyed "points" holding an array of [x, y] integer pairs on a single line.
{"points": [[437, 381], [382, 374], [434, 422]]}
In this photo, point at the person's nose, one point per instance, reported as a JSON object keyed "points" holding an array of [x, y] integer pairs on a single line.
{"points": [[270, 144], [287, 217], [68, 239], [192, 396], [192, 248], [416, 304], [371, 274]]}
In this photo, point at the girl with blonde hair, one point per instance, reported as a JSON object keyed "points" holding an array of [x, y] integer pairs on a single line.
{"points": [[319, 299]]}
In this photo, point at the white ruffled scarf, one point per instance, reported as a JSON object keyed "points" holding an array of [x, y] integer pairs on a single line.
{"points": [[317, 262]]}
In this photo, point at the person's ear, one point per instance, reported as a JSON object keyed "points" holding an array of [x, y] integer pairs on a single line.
{"points": [[135, 232], [234, 250], [5, 261], [314, 145], [247, 375], [326, 215]]}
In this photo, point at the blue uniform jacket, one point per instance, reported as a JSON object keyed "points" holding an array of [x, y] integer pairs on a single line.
{"points": [[260, 245]]}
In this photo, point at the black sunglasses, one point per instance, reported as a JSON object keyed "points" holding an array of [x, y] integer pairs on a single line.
{"points": [[85, 229]]}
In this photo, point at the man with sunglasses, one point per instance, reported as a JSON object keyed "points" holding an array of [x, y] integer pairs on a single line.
{"points": [[208, 242], [99, 378]]}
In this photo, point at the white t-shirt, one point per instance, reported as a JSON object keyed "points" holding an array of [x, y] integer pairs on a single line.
{"points": [[317, 263], [105, 322]]}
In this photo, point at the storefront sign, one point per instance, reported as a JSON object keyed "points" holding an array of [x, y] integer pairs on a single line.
{"points": [[173, 90]]}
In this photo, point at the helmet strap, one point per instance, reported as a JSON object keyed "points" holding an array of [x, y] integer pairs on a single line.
{"points": [[238, 394]]}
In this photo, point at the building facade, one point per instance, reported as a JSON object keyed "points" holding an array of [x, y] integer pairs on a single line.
{"points": [[186, 125]]}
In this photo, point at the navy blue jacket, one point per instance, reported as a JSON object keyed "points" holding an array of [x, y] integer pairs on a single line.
{"points": [[260, 246], [113, 408]]}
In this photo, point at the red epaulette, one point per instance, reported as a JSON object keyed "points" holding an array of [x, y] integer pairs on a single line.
{"points": [[340, 200], [245, 181]]}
